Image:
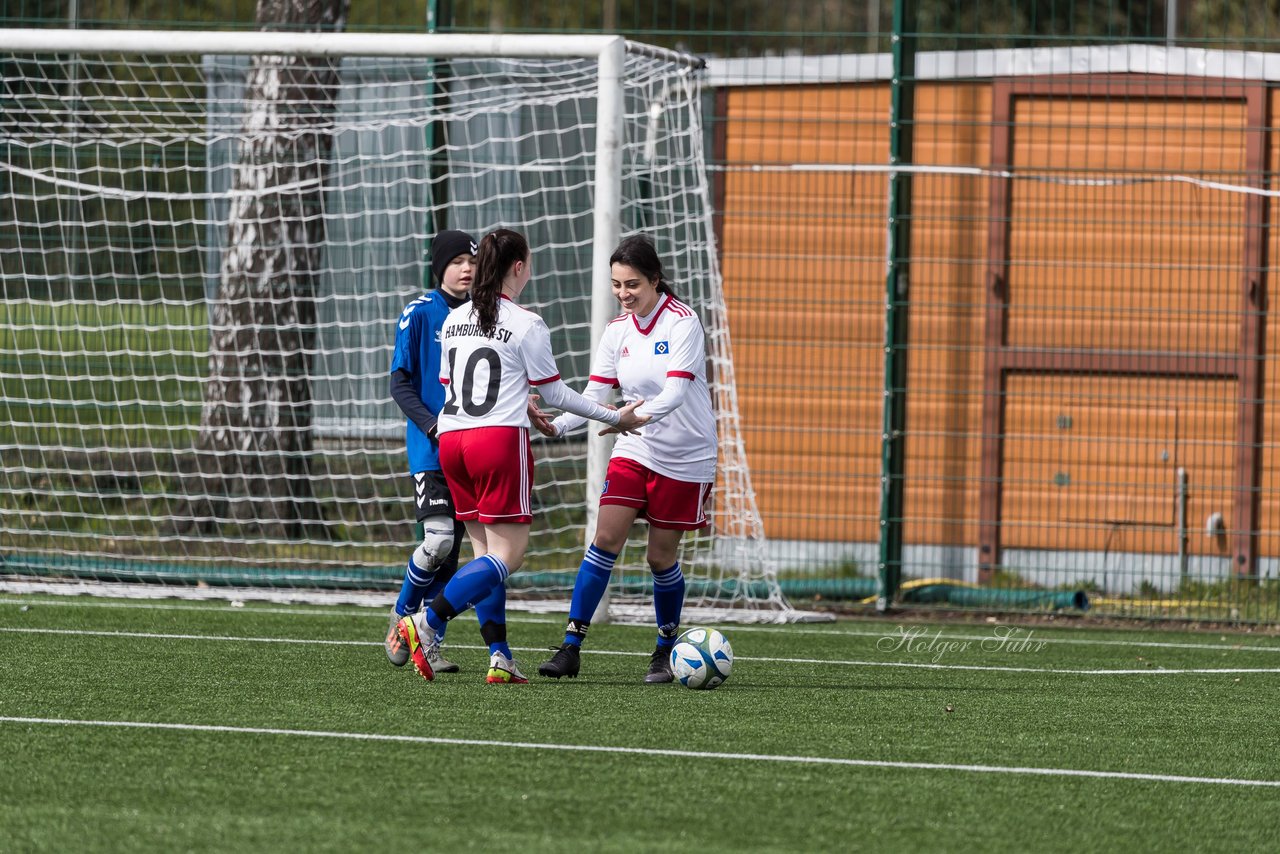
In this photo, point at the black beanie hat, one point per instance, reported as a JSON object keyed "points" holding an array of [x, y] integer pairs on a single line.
{"points": [[448, 245]]}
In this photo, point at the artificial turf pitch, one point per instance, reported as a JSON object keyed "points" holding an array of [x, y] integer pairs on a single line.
{"points": [[266, 728]]}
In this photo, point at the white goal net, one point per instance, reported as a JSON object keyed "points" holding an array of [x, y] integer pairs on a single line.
{"points": [[206, 240]]}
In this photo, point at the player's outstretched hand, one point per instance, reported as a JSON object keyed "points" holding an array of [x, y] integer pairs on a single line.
{"points": [[629, 421], [539, 419]]}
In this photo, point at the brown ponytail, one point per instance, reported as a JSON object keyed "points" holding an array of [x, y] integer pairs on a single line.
{"points": [[498, 251]]}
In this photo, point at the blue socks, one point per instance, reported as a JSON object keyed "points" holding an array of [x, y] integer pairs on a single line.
{"points": [[593, 579], [491, 611], [413, 591], [668, 599], [418, 587], [588, 590], [469, 585]]}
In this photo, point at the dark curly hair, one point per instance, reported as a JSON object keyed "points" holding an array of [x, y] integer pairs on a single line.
{"points": [[638, 253]]}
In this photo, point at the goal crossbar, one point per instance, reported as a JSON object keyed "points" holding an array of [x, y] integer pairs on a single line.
{"points": [[435, 46]]}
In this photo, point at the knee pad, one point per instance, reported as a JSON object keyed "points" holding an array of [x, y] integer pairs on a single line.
{"points": [[437, 542]]}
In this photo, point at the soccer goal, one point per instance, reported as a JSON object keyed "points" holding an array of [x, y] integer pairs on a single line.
{"points": [[206, 240]]}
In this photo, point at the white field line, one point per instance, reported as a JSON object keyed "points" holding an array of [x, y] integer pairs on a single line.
{"points": [[98, 633], [889, 631], [1145, 671], [646, 751], [235, 607]]}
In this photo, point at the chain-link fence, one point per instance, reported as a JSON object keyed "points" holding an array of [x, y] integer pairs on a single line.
{"points": [[997, 282]]}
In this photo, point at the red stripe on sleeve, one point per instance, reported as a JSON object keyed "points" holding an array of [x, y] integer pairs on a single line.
{"points": [[684, 375], [544, 382], [612, 381]]}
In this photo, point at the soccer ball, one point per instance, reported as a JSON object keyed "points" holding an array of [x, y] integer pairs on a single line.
{"points": [[701, 659]]}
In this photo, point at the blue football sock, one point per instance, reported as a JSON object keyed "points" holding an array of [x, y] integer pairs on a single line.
{"points": [[668, 599], [588, 590], [491, 611], [414, 590], [432, 592], [469, 585]]}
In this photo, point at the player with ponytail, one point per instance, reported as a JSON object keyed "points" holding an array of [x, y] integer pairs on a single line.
{"points": [[492, 352]]}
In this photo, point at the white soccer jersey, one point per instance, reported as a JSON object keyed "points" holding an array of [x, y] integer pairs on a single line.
{"points": [[638, 357], [487, 377]]}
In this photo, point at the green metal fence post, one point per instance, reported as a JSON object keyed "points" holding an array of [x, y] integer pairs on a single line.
{"points": [[897, 304]]}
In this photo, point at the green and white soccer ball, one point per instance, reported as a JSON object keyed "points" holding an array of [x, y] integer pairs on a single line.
{"points": [[701, 659]]}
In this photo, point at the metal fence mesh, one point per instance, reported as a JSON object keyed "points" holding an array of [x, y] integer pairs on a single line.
{"points": [[1082, 225]]}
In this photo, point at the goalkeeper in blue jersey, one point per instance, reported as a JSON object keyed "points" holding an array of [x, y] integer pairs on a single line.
{"points": [[416, 388]]}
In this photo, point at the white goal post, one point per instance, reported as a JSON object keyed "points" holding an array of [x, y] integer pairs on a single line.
{"points": [[206, 240]]}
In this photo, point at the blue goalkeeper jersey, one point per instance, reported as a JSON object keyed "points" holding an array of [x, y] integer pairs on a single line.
{"points": [[417, 353]]}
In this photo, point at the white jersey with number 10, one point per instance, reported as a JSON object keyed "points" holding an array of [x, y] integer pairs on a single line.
{"points": [[487, 377]]}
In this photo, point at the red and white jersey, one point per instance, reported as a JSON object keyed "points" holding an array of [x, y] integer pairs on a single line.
{"points": [[487, 377], [637, 355]]}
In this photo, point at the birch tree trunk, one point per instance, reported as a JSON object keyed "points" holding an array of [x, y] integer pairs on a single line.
{"points": [[255, 439]]}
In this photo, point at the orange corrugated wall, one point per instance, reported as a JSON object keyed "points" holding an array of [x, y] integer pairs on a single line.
{"points": [[803, 260]]}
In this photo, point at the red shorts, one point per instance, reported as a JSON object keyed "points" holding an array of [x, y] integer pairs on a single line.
{"points": [[664, 501], [490, 473]]}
